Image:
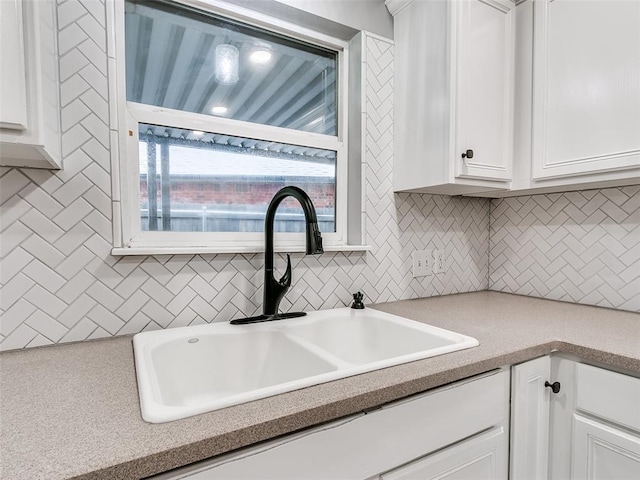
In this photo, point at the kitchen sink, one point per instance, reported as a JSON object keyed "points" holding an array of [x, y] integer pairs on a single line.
{"points": [[370, 336], [194, 370], [191, 370]]}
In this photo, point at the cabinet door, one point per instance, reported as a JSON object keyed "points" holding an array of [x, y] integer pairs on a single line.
{"points": [[530, 401], [603, 452], [485, 79], [13, 81], [482, 457], [29, 87], [586, 87]]}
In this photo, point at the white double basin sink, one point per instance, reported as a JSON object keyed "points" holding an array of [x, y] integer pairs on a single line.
{"points": [[187, 371]]}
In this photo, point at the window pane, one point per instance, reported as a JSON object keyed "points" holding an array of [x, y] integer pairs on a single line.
{"points": [[185, 59], [206, 182]]}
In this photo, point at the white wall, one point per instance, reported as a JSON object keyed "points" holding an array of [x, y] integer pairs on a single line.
{"points": [[338, 18], [60, 283], [370, 15]]}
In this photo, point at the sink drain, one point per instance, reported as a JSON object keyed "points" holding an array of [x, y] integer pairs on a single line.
{"points": [[193, 340]]}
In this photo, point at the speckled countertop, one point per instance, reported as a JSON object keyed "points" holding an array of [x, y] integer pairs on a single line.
{"points": [[72, 410]]}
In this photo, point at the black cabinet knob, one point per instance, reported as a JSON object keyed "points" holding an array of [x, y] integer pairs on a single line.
{"points": [[468, 154], [555, 386]]}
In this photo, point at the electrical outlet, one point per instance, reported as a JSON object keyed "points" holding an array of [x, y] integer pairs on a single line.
{"points": [[428, 261], [439, 261], [422, 263], [417, 263]]}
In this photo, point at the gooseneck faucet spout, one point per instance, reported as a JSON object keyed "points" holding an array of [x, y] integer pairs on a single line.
{"points": [[274, 290]]}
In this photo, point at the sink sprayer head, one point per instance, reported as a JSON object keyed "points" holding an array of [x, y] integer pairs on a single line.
{"points": [[314, 239]]}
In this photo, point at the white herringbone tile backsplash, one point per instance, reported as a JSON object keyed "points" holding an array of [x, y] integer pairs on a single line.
{"points": [[579, 247], [59, 282]]}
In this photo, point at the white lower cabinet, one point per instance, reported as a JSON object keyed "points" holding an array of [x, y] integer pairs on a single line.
{"points": [[458, 431], [606, 425], [589, 429]]}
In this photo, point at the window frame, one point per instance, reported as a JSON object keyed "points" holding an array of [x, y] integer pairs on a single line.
{"points": [[129, 238]]}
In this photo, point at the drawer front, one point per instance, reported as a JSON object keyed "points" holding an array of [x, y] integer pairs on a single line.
{"points": [[608, 395], [483, 457]]}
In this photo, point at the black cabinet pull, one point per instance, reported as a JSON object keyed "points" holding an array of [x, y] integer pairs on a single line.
{"points": [[555, 386], [468, 154]]}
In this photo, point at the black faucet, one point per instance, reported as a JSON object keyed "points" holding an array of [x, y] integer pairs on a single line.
{"points": [[274, 290]]}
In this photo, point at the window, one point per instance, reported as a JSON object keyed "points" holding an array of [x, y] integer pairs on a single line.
{"points": [[206, 182], [222, 111]]}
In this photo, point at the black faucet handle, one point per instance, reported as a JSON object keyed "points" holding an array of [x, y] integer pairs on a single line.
{"points": [[358, 304], [285, 281]]}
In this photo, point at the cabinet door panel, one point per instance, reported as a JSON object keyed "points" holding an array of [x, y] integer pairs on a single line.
{"points": [[30, 88], [13, 94], [602, 452], [479, 458], [530, 419], [485, 88], [586, 87]]}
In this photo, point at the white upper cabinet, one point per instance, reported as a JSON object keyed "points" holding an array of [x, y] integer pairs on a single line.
{"points": [[586, 87], [545, 96], [454, 64], [577, 94], [29, 86], [13, 87], [484, 88]]}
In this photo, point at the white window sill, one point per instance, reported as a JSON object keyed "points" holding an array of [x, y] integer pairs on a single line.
{"points": [[119, 251]]}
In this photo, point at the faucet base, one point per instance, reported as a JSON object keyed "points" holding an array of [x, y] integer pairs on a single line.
{"points": [[266, 318]]}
